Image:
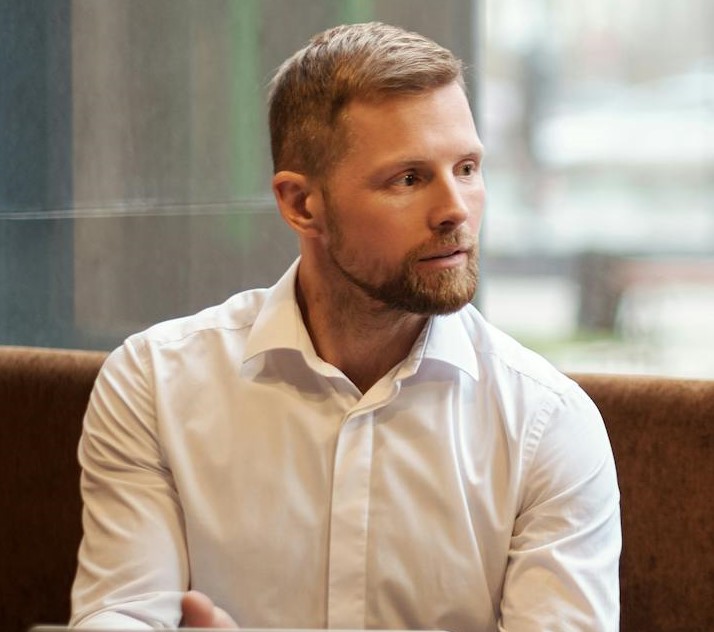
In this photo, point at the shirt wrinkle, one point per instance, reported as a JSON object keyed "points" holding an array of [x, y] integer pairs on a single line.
{"points": [[143, 358], [541, 419]]}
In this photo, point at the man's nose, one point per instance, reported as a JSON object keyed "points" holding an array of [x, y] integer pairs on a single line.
{"points": [[450, 206]]}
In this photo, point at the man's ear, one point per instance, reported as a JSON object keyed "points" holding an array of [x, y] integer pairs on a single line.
{"points": [[300, 202]]}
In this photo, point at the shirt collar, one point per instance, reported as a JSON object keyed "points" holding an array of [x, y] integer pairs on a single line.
{"points": [[446, 339], [279, 325]]}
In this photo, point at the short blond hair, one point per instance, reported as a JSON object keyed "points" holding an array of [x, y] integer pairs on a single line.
{"points": [[370, 62]]}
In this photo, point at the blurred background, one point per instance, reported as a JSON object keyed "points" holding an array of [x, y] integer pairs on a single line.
{"points": [[134, 166]]}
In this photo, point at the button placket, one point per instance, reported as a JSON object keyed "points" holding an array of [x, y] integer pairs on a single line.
{"points": [[349, 523]]}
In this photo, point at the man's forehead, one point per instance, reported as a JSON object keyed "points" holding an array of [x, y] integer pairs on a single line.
{"points": [[427, 119], [386, 100]]}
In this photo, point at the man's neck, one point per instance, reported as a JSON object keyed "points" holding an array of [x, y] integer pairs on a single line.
{"points": [[358, 335]]}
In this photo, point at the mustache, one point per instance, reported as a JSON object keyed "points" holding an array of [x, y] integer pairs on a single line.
{"points": [[460, 240]]}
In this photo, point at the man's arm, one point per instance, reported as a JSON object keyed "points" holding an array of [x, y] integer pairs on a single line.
{"points": [[563, 567], [132, 568]]}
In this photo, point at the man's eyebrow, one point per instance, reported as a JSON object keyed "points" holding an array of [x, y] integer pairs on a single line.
{"points": [[406, 162], [478, 150]]}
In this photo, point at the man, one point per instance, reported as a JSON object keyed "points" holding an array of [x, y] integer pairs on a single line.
{"points": [[355, 447]]}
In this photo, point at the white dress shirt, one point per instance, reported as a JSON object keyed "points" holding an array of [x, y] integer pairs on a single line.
{"points": [[471, 489]]}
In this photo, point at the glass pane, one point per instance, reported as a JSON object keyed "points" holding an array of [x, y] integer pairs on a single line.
{"points": [[134, 155], [599, 123]]}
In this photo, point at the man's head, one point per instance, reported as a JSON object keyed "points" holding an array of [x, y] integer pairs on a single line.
{"points": [[369, 62], [378, 169]]}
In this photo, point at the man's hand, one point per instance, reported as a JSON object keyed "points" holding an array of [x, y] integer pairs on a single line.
{"points": [[200, 612]]}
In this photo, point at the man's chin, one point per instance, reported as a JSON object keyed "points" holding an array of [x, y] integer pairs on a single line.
{"points": [[445, 295], [440, 300], [430, 307], [432, 294]]}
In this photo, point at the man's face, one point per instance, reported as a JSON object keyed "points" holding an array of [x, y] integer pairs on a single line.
{"points": [[404, 206]]}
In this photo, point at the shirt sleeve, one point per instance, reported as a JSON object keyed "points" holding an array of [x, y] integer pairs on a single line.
{"points": [[562, 571], [132, 566]]}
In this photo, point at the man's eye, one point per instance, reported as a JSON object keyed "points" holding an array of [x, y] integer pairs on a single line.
{"points": [[408, 179], [468, 169], [405, 180]]}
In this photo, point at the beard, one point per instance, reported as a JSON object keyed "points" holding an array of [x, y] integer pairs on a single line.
{"points": [[407, 288]]}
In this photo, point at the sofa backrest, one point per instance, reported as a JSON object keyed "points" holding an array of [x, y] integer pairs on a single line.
{"points": [[661, 435], [43, 395], [660, 429]]}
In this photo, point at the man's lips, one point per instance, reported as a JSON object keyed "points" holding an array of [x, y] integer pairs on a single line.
{"points": [[445, 253]]}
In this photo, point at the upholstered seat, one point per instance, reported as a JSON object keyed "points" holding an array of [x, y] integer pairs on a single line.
{"points": [[661, 432]]}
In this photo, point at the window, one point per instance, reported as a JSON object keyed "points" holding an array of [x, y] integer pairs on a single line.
{"points": [[134, 157], [134, 166], [599, 120]]}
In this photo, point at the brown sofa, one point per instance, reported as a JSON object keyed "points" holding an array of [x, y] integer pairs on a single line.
{"points": [[661, 432]]}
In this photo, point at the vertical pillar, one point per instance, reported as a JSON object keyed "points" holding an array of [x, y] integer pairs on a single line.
{"points": [[36, 228]]}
